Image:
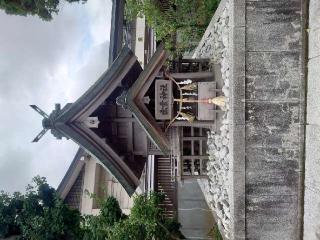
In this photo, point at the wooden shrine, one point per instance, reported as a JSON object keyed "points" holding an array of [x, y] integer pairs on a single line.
{"points": [[130, 113]]}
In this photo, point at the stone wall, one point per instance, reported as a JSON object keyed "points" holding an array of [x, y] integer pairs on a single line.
{"points": [[216, 46], [265, 121]]}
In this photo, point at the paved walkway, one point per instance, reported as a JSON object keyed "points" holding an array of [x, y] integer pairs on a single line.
{"points": [[194, 214]]}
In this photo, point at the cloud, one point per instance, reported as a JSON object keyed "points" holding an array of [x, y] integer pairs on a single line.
{"points": [[44, 63], [15, 173], [100, 20]]}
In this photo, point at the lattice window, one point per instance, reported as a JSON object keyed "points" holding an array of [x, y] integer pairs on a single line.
{"points": [[194, 151]]}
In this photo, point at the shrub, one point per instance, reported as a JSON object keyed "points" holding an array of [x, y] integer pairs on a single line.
{"points": [[184, 20]]}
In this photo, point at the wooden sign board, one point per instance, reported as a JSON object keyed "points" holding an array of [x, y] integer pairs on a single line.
{"points": [[163, 100]]}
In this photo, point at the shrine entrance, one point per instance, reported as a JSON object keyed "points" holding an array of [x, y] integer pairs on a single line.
{"points": [[176, 107]]}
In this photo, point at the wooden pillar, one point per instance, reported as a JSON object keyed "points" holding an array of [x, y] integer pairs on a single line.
{"points": [[88, 185]]}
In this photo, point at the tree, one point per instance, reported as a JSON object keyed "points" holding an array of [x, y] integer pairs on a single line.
{"points": [[39, 214], [185, 21], [42, 8], [10, 206], [147, 221], [98, 227]]}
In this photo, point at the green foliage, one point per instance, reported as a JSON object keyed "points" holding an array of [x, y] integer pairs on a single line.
{"points": [[184, 19], [42, 8], [146, 221], [215, 233], [98, 227], [10, 206], [39, 214]]}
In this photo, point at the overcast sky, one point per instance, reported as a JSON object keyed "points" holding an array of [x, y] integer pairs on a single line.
{"points": [[44, 63]]}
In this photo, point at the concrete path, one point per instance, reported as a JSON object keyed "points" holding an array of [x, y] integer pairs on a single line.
{"points": [[193, 212]]}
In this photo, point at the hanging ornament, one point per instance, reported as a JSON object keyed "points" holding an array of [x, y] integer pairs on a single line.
{"points": [[189, 94], [181, 118], [190, 118], [219, 101], [190, 87], [187, 81]]}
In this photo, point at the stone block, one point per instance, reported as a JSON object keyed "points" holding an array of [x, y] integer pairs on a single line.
{"points": [[314, 10], [273, 25], [271, 171], [274, 208], [273, 76], [313, 106], [273, 124], [314, 42], [272, 217], [272, 182], [266, 159]]}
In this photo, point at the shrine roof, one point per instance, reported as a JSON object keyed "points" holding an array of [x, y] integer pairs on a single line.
{"points": [[69, 122], [136, 105]]}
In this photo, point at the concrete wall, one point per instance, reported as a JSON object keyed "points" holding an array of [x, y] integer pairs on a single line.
{"points": [[312, 165]]}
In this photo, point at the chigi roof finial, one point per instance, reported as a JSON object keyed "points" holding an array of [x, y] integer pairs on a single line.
{"points": [[47, 122]]}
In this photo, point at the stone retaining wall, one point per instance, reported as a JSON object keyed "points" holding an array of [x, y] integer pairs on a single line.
{"points": [[260, 182]]}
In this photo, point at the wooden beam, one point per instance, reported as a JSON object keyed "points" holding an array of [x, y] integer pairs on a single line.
{"points": [[194, 138], [194, 60], [202, 124], [130, 137], [192, 75], [124, 119], [194, 157]]}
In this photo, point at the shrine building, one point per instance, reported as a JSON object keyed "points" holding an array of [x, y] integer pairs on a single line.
{"points": [[142, 126], [131, 113]]}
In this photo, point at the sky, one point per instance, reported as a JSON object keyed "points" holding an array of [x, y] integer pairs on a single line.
{"points": [[44, 63]]}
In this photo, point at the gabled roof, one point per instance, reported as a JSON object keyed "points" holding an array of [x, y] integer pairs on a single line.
{"points": [[70, 121], [134, 100]]}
